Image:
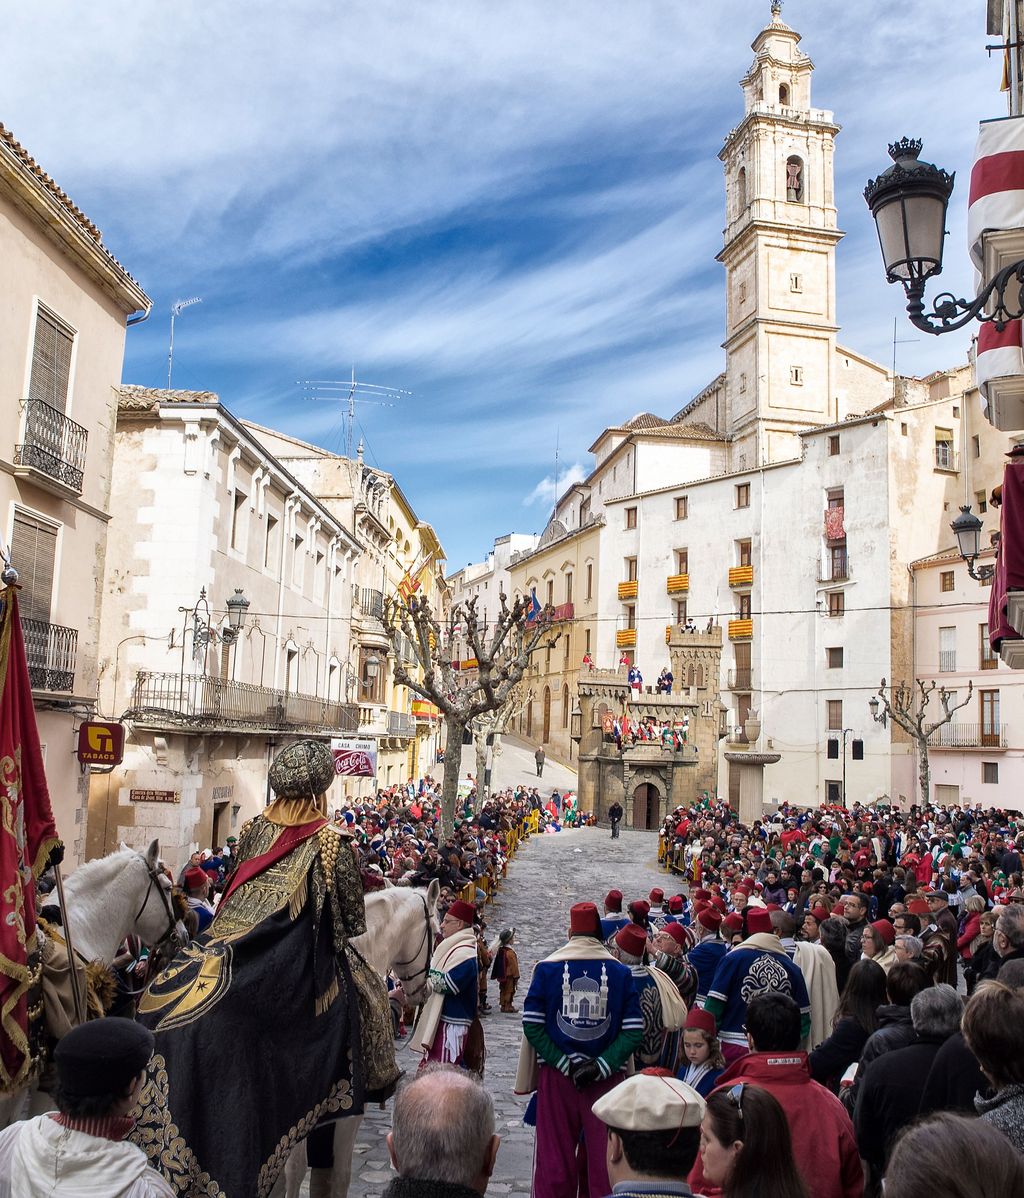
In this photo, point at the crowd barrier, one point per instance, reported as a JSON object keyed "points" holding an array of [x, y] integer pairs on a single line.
{"points": [[514, 837]]}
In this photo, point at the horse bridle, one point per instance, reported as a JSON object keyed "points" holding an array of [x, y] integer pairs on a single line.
{"points": [[424, 943], [154, 880]]}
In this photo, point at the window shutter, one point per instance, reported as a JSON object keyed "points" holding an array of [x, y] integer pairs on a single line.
{"points": [[33, 549], [51, 361], [833, 749]]}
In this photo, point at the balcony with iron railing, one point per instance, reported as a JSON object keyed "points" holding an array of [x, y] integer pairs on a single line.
{"points": [[52, 652], [202, 701], [52, 449], [677, 584], [834, 567], [401, 724], [628, 590], [739, 680], [741, 629], [741, 576], [625, 638], [946, 457], [968, 735]]}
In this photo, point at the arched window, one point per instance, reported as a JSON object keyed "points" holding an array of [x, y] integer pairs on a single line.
{"points": [[741, 188], [794, 179], [784, 94], [565, 706], [700, 676], [690, 676]]}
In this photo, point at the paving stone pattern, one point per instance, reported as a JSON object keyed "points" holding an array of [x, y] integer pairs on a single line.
{"points": [[548, 875]]}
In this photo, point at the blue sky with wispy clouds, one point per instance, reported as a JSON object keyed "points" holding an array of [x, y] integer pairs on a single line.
{"points": [[509, 209]]}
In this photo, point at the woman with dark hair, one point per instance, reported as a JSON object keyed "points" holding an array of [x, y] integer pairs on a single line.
{"points": [[955, 1156], [745, 1145], [832, 935], [856, 1018], [993, 1029]]}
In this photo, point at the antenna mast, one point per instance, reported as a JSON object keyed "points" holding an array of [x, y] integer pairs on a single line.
{"points": [[350, 392]]}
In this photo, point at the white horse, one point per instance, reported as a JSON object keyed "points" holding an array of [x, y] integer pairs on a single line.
{"points": [[108, 899], [401, 927]]}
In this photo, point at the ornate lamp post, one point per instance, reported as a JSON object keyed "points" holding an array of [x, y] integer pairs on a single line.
{"points": [[967, 529], [908, 203]]}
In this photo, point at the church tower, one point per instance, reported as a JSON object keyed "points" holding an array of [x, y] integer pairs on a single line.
{"points": [[779, 255]]}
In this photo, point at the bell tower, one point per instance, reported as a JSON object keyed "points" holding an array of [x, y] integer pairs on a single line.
{"points": [[779, 255]]}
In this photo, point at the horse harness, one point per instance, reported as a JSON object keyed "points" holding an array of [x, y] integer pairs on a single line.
{"points": [[424, 943], [154, 880]]}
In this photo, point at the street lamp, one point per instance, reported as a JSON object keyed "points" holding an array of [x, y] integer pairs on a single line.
{"points": [[177, 308], [873, 708], [372, 668], [967, 529], [576, 723], [237, 606], [908, 203]]}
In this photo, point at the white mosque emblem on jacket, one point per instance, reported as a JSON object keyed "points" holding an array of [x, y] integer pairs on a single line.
{"points": [[584, 1013]]}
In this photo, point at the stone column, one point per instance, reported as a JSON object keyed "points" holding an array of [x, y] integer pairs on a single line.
{"points": [[751, 767]]}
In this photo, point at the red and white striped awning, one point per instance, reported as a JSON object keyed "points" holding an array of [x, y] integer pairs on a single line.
{"points": [[996, 202]]}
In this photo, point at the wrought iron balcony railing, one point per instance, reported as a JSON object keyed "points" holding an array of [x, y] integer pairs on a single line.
{"points": [[200, 701], [51, 651], [739, 679], [834, 567], [53, 445], [967, 735]]}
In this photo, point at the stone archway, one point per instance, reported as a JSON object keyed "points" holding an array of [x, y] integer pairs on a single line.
{"points": [[647, 806]]}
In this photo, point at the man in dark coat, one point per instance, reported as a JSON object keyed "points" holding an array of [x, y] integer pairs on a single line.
{"points": [[890, 1094], [946, 922]]}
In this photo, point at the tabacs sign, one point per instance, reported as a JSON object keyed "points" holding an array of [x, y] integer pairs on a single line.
{"points": [[101, 742]]}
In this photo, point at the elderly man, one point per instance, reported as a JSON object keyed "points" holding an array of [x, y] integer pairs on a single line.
{"points": [[944, 919], [890, 1095], [707, 953], [442, 1137], [653, 1124], [442, 1032], [80, 1148], [663, 1010], [1009, 934], [669, 946], [581, 1023]]}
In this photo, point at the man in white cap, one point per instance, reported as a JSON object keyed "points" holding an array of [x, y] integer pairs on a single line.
{"points": [[653, 1121]]}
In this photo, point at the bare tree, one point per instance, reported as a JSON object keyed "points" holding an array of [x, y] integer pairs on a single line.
{"points": [[487, 730], [502, 654], [908, 709]]}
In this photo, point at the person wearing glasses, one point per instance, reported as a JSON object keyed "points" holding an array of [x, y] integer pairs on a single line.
{"points": [[823, 1142], [745, 1145]]}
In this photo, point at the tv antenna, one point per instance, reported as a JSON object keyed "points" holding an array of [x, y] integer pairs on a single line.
{"points": [[350, 392]]}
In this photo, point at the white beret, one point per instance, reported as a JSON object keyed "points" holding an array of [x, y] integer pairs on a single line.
{"points": [[650, 1101]]}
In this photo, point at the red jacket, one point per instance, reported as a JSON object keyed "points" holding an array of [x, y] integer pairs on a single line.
{"points": [[824, 1145], [972, 928]]}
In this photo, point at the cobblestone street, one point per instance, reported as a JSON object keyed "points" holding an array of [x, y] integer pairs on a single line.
{"points": [[549, 874]]}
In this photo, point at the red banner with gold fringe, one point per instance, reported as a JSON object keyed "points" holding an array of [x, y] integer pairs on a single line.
{"points": [[27, 836]]}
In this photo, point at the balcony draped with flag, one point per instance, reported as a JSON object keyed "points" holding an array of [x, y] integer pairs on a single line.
{"points": [[1009, 575], [996, 203], [834, 529], [27, 836]]}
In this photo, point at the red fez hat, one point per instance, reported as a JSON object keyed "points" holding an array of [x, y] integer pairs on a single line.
{"points": [[886, 932], [697, 1019], [196, 878], [462, 910], [675, 904], [584, 921], [839, 907], [720, 904], [820, 913], [700, 905], [641, 905], [712, 919], [613, 900], [772, 907], [678, 933], [631, 939], [701, 893], [657, 895], [733, 922], [758, 920], [918, 906], [745, 887]]}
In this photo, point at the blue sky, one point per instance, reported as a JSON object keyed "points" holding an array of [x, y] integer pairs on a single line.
{"points": [[510, 210]]}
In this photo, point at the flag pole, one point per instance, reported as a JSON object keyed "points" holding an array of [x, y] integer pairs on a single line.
{"points": [[76, 992]]}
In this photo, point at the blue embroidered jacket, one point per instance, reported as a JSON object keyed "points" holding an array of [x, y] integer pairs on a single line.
{"points": [[744, 973], [705, 957], [461, 989], [583, 1010]]}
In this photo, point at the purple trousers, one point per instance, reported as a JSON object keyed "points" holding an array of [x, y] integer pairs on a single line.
{"points": [[563, 1116]]}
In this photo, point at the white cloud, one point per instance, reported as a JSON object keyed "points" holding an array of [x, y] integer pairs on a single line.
{"points": [[547, 490]]}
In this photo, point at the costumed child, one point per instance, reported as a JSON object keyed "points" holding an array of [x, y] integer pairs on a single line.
{"points": [[506, 970], [703, 1051]]}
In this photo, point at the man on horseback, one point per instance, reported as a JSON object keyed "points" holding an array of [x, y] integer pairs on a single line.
{"points": [[277, 972]]}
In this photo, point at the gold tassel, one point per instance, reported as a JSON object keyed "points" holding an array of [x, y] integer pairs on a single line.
{"points": [[298, 900], [323, 1003]]}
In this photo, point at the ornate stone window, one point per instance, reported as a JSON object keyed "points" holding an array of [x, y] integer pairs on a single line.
{"points": [[794, 179]]}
